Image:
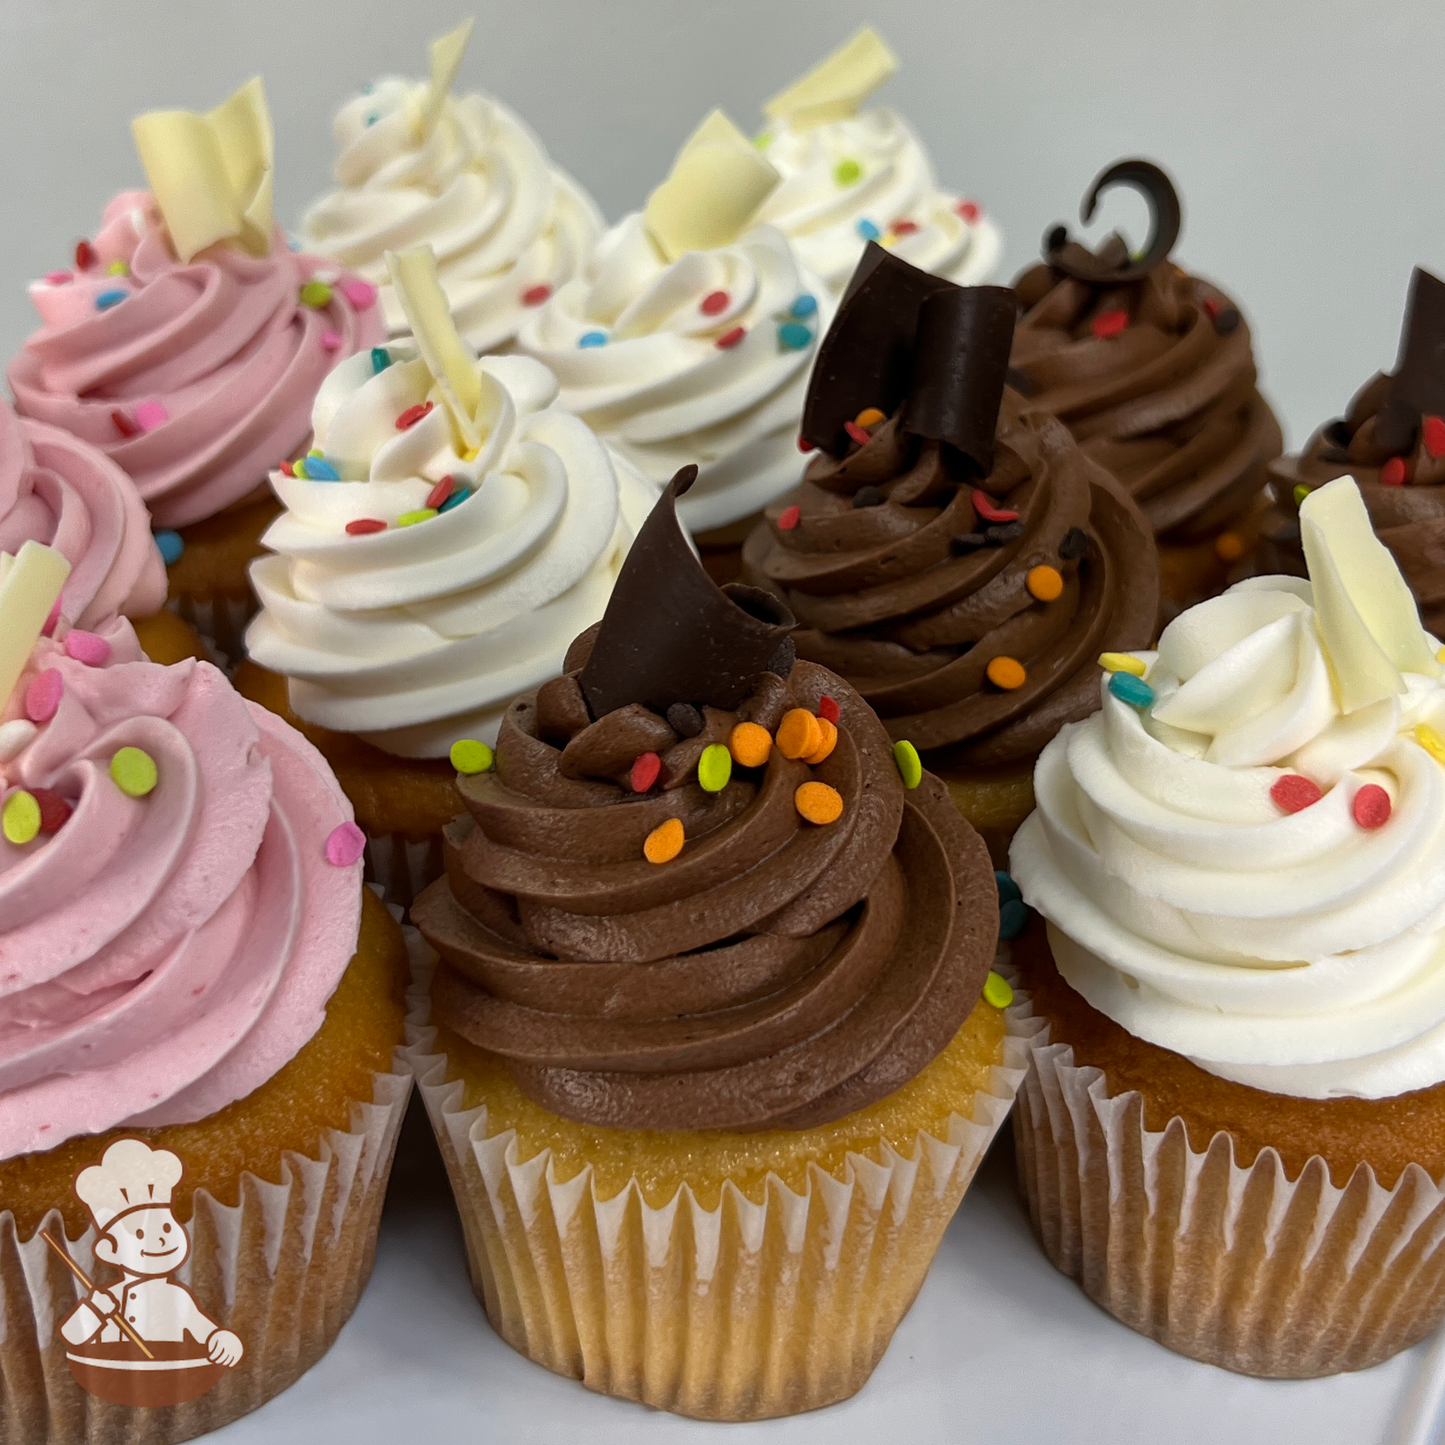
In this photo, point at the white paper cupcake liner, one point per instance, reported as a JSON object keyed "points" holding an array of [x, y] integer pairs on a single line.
{"points": [[401, 869]]}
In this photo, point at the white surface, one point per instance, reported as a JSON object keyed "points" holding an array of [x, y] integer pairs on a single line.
{"points": [[1304, 134], [999, 1348]]}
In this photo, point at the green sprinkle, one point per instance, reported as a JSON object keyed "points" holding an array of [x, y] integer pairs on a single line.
{"points": [[380, 359], [21, 817], [117, 268], [714, 768], [298, 468], [846, 173], [910, 766], [763, 139], [134, 771], [315, 293], [410, 519], [1300, 493], [469, 756], [315, 452], [996, 990]]}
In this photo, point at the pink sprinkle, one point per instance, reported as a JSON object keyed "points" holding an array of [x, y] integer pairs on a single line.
{"points": [[331, 341], [151, 414], [49, 629], [359, 291], [86, 647], [59, 278], [42, 697], [345, 845]]}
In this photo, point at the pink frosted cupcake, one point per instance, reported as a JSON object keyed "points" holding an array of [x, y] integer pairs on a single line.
{"points": [[194, 366]]}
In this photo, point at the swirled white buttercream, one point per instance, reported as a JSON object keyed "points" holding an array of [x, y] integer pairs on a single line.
{"points": [[636, 346], [1299, 953], [506, 225], [422, 633], [864, 177]]}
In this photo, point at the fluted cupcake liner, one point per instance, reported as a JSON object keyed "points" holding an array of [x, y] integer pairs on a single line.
{"points": [[401, 868], [221, 621], [283, 1269], [1239, 1267], [744, 1311]]}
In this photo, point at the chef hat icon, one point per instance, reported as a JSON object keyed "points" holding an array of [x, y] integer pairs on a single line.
{"points": [[131, 1175]]}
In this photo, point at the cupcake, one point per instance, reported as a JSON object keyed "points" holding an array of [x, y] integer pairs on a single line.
{"points": [[689, 339], [195, 981], [452, 531], [188, 344], [951, 553], [705, 1051], [1392, 442], [1230, 1134], [1152, 370], [465, 176], [853, 175]]}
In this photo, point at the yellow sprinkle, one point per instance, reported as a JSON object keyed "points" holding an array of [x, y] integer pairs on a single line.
{"points": [[410, 519], [1121, 662], [996, 990], [134, 772], [1300, 493], [315, 293], [469, 756], [869, 416], [1228, 547], [117, 267], [819, 803], [1431, 741], [21, 817], [1440, 656], [665, 841]]}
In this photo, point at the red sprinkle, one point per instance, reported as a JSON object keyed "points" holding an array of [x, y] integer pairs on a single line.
{"points": [[84, 255], [1371, 806], [969, 210], [1293, 793], [1433, 435], [858, 433], [904, 228], [804, 445], [1392, 474], [644, 771], [828, 708], [123, 424], [1109, 323], [536, 295], [989, 512], [441, 491], [713, 302], [362, 526], [54, 810], [789, 518], [1211, 305], [286, 470], [729, 339], [412, 415]]}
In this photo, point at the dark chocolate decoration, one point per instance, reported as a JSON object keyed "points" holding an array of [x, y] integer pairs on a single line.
{"points": [[1226, 320], [867, 497], [784, 658], [1021, 381], [1165, 219], [670, 634], [684, 719], [1004, 532], [1074, 544], [968, 542], [960, 358], [1339, 431], [1417, 388]]}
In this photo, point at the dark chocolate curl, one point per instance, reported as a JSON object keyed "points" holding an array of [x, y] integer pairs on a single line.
{"points": [[1165, 221], [866, 358], [1417, 388], [670, 634], [960, 360]]}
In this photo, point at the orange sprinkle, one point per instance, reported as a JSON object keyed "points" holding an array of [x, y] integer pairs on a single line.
{"points": [[1044, 583], [819, 803], [1228, 547], [665, 842], [798, 734], [869, 416], [750, 744], [1007, 673], [830, 741]]}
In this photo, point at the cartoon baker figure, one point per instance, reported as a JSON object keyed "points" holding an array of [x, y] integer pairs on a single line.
{"points": [[128, 1195]]}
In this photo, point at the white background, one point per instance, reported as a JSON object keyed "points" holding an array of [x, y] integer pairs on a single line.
{"points": [[1305, 135]]}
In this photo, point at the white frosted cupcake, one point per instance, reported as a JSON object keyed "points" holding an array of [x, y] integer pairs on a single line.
{"points": [[464, 175], [853, 175]]}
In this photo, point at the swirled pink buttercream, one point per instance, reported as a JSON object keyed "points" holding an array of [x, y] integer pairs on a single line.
{"points": [[162, 956], [197, 378], [56, 489]]}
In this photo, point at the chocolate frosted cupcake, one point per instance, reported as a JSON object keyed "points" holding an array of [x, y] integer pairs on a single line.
{"points": [[703, 946], [955, 556], [1153, 372], [1392, 442]]}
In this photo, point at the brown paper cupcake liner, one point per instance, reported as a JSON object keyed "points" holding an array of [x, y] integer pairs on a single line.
{"points": [[283, 1269], [744, 1311], [402, 869], [221, 621], [1238, 1267]]}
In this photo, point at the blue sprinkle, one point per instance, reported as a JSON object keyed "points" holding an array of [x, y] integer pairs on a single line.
{"points": [[368, 88], [868, 230], [1133, 690], [318, 469], [292, 243], [1008, 890], [804, 306], [380, 359], [1011, 918], [794, 336], [107, 299], [592, 338], [171, 545], [455, 500], [372, 119]]}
